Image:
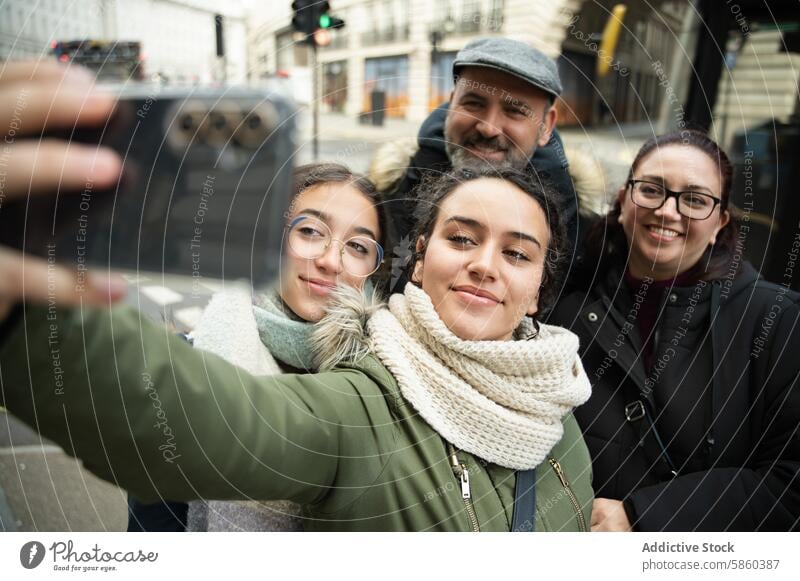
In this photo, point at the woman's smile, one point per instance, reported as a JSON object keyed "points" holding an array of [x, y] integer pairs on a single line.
{"points": [[317, 286], [662, 234], [474, 296]]}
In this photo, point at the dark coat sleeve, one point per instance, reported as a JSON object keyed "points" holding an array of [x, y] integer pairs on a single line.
{"points": [[550, 163], [764, 494]]}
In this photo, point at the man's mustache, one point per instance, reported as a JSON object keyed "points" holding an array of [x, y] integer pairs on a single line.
{"points": [[495, 143]]}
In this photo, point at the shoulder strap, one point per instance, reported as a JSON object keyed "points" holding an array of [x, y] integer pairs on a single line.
{"points": [[524, 519]]}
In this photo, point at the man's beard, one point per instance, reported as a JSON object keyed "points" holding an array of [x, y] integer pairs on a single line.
{"points": [[462, 158]]}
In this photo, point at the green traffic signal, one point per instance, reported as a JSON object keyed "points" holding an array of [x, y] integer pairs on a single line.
{"points": [[325, 21]]}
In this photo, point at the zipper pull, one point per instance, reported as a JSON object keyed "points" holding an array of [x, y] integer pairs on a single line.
{"points": [[559, 472], [461, 472], [465, 492]]}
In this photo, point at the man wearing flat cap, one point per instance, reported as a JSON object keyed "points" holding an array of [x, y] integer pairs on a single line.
{"points": [[501, 113]]}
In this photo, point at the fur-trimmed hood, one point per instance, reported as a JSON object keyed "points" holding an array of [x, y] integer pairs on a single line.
{"points": [[341, 336], [390, 162]]}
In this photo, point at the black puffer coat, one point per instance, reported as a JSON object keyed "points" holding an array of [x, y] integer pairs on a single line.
{"points": [[723, 394]]}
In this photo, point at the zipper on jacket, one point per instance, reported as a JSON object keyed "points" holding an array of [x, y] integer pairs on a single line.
{"points": [[461, 472], [571, 495]]}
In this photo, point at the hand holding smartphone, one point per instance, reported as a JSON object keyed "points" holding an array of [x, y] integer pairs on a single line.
{"points": [[36, 98], [202, 189]]}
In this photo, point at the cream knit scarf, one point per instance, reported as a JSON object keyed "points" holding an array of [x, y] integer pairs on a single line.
{"points": [[500, 400]]}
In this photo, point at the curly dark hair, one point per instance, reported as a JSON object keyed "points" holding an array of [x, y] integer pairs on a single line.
{"points": [[434, 189], [606, 242]]}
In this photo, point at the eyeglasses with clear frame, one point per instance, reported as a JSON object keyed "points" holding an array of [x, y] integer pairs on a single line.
{"points": [[692, 205], [310, 238]]}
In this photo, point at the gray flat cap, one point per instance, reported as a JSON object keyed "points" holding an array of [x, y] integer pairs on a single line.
{"points": [[512, 57]]}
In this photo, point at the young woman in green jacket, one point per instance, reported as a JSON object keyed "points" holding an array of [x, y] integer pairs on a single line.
{"points": [[269, 332], [432, 407]]}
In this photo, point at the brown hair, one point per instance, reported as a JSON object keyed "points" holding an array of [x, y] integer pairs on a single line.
{"points": [[606, 240], [434, 190], [314, 174]]}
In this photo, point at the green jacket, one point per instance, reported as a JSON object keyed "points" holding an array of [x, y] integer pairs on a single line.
{"points": [[145, 410]]}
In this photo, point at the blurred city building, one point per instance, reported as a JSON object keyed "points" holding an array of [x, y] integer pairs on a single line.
{"points": [[759, 82], [27, 29], [405, 49], [629, 91], [179, 38]]}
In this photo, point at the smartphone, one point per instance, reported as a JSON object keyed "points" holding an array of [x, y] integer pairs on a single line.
{"points": [[203, 191]]}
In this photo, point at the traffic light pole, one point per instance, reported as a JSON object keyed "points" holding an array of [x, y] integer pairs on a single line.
{"points": [[314, 101], [312, 19]]}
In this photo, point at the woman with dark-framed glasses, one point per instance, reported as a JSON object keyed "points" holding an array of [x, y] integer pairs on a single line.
{"points": [[693, 419]]}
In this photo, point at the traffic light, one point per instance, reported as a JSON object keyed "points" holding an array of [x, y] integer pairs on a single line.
{"points": [[326, 20], [304, 16], [313, 15]]}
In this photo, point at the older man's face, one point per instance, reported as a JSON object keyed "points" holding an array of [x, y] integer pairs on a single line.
{"points": [[496, 119]]}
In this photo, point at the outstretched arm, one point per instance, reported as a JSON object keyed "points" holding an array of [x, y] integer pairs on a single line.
{"points": [[145, 410]]}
